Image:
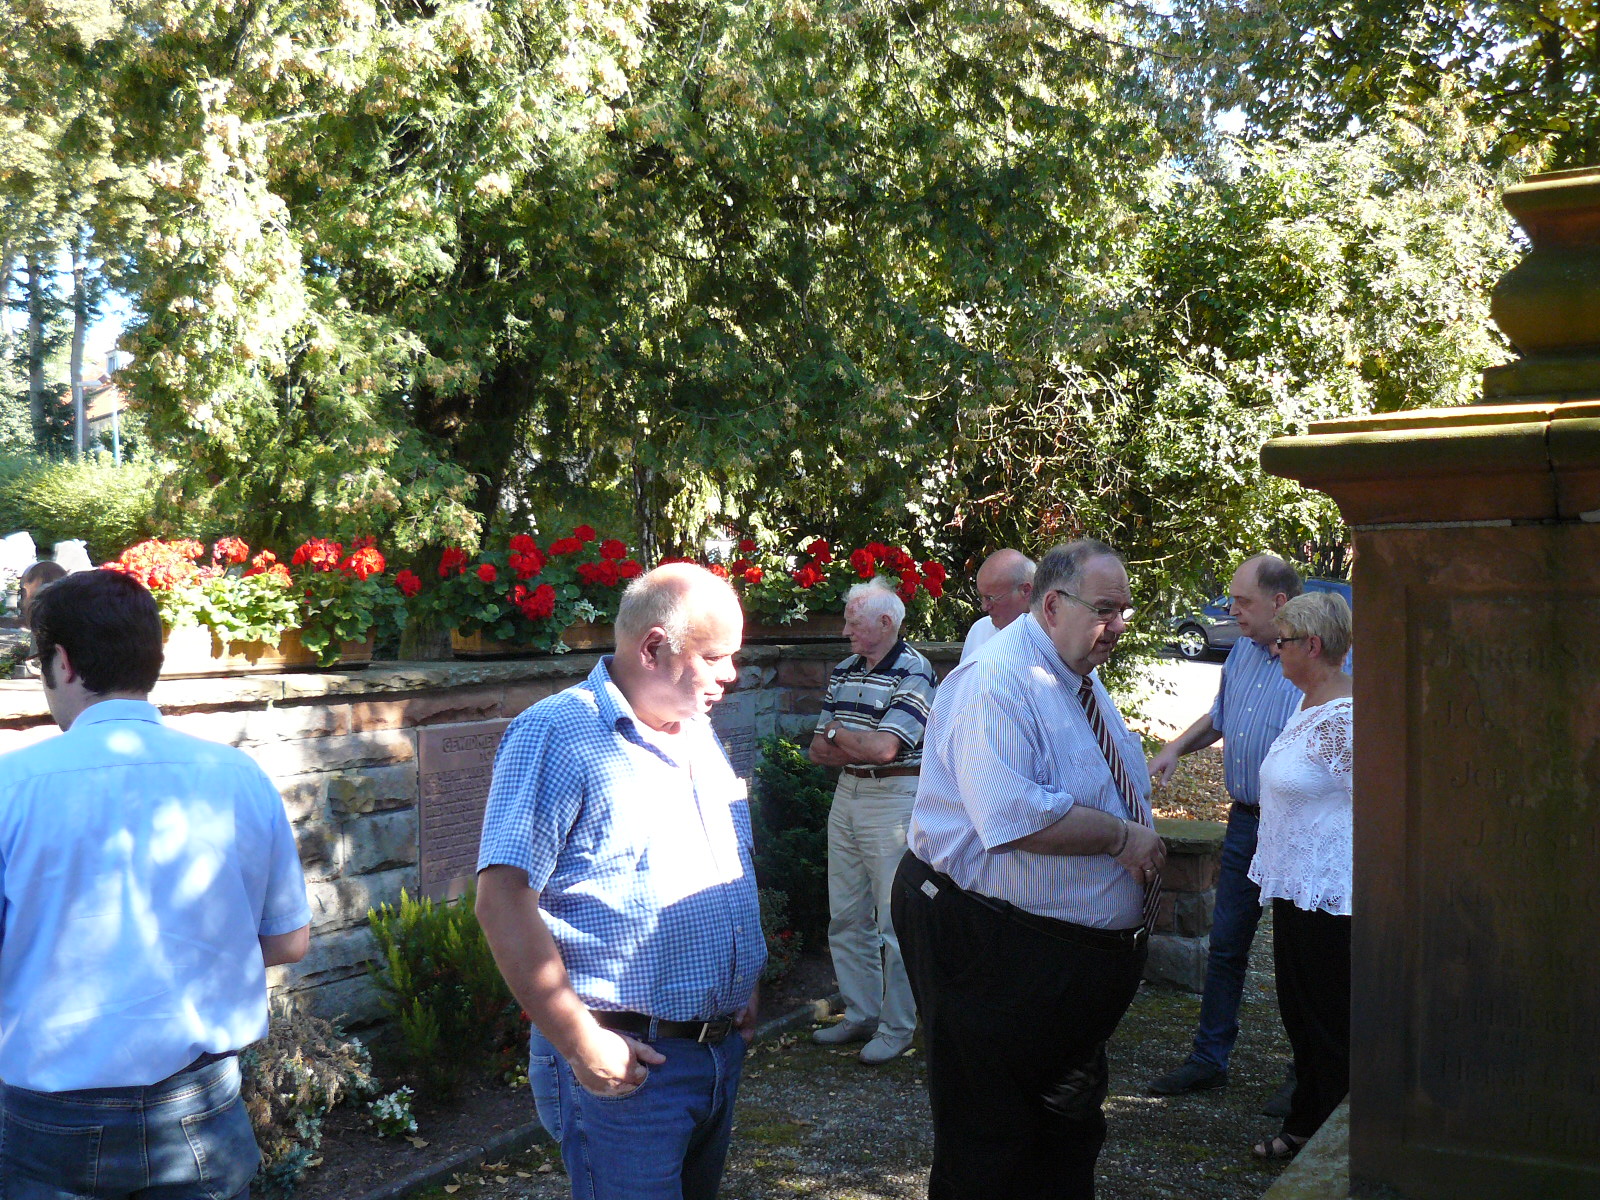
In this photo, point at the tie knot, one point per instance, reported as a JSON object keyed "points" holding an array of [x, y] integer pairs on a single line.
{"points": [[1086, 688]]}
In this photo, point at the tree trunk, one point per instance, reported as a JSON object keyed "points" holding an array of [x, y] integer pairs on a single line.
{"points": [[36, 303], [8, 258], [80, 324]]}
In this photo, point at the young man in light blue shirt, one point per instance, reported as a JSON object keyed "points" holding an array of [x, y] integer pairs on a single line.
{"points": [[147, 880]]}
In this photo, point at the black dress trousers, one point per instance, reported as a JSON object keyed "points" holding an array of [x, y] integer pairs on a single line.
{"points": [[1015, 1022]]}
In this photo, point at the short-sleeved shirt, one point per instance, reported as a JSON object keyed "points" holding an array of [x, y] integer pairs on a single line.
{"points": [[1010, 752], [640, 849], [979, 636], [892, 696], [138, 866], [1254, 702]]}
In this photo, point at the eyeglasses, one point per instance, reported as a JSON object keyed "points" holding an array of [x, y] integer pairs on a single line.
{"points": [[1105, 615], [1280, 643], [996, 598]]}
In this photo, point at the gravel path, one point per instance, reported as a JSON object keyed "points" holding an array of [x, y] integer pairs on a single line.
{"points": [[814, 1123]]}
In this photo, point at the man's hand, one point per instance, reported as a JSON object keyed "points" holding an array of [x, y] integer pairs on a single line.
{"points": [[745, 1019], [613, 1064], [1164, 765], [1144, 853]]}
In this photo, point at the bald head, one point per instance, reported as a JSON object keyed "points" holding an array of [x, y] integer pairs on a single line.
{"points": [[1005, 586], [675, 598], [678, 628]]}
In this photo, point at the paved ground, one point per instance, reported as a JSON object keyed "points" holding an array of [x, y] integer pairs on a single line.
{"points": [[1176, 692]]}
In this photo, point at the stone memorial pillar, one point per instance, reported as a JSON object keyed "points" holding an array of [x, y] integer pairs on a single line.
{"points": [[1475, 1069]]}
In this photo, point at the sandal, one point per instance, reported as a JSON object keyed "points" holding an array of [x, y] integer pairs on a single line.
{"points": [[1278, 1147]]}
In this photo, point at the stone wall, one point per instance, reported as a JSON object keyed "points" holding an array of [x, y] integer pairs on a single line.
{"points": [[347, 751]]}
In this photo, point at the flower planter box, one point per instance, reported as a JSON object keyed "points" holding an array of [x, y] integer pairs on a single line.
{"points": [[821, 627], [476, 645], [583, 635], [590, 635], [194, 651]]}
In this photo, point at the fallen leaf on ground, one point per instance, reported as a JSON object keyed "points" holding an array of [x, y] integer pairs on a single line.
{"points": [[419, 1143]]}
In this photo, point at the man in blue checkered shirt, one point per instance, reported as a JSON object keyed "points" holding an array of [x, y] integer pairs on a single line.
{"points": [[617, 890]]}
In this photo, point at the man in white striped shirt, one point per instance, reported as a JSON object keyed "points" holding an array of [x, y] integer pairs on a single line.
{"points": [[1020, 902]]}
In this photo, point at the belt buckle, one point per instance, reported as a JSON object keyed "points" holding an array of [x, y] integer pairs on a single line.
{"points": [[712, 1032]]}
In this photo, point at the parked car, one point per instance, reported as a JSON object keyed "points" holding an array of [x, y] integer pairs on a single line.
{"points": [[1212, 628]]}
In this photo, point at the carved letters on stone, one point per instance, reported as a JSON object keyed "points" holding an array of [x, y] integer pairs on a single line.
{"points": [[455, 763], [1503, 876]]}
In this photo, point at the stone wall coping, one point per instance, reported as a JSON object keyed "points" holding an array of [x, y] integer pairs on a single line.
{"points": [[1184, 835], [1483, 463], [22, 700]]}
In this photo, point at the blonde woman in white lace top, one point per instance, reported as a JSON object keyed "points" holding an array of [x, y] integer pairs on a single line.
{"points": [[1303, 862]]}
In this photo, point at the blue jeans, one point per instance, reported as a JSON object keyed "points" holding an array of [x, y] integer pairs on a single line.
{"points": [[185, 1138], [665, 1140], [1233, 928]]}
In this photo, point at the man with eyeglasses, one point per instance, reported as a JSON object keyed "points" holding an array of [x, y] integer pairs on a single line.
{"points": [[1254, 702], [1023, 900], [1005, 590]]}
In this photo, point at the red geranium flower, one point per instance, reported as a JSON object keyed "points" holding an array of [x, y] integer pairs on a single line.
{"points": [[320, 554], [364, 542], [588, 572], [612, 548], [865, 564], [740, 565], [878, 550], [365, 562], [262, 563], [808, 576], [753, 574], [566, 545], [747, 546], [585, 533], [540, 603], [717, 569], [229, 550], [487, 573], [527, 563], [453, 562], [820, 552], [522, 544], [934, 586], [628, 569], [409, 583], [934, 572]]}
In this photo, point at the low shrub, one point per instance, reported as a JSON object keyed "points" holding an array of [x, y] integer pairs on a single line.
{"points": [[784, 942], [290, 1081], [790, 820], [108, 506], [453, 1014]]}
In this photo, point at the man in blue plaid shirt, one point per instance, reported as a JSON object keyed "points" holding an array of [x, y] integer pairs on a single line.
{"points": [[617, 890]]}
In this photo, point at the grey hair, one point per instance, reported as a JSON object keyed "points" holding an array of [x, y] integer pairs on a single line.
{"points": [[669, 598], [1321, 614], [877, 601], [1062, 565]]}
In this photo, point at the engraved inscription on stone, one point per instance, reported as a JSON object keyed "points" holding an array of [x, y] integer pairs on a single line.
{"points": [[734, 721], [456, 763], [1504, 814]]}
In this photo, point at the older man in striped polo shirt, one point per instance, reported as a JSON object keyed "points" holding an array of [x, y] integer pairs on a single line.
{"points": [[871, 728], [1254, 702]]}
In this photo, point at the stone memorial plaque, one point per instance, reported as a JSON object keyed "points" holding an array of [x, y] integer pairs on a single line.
{"points": [[1478, 842], [455, 764]]}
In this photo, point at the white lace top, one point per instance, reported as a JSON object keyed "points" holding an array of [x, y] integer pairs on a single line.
{"points": [[1303, 851]]}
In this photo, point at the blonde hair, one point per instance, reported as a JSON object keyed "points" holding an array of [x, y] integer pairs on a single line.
{"points": [[1323, 615]]}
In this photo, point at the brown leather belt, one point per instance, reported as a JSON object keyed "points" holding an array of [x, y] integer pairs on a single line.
{"points": [[881, 772], [710, 1032]]}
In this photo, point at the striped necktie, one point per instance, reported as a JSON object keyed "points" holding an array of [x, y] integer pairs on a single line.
{"points": [[1125, 788]]}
